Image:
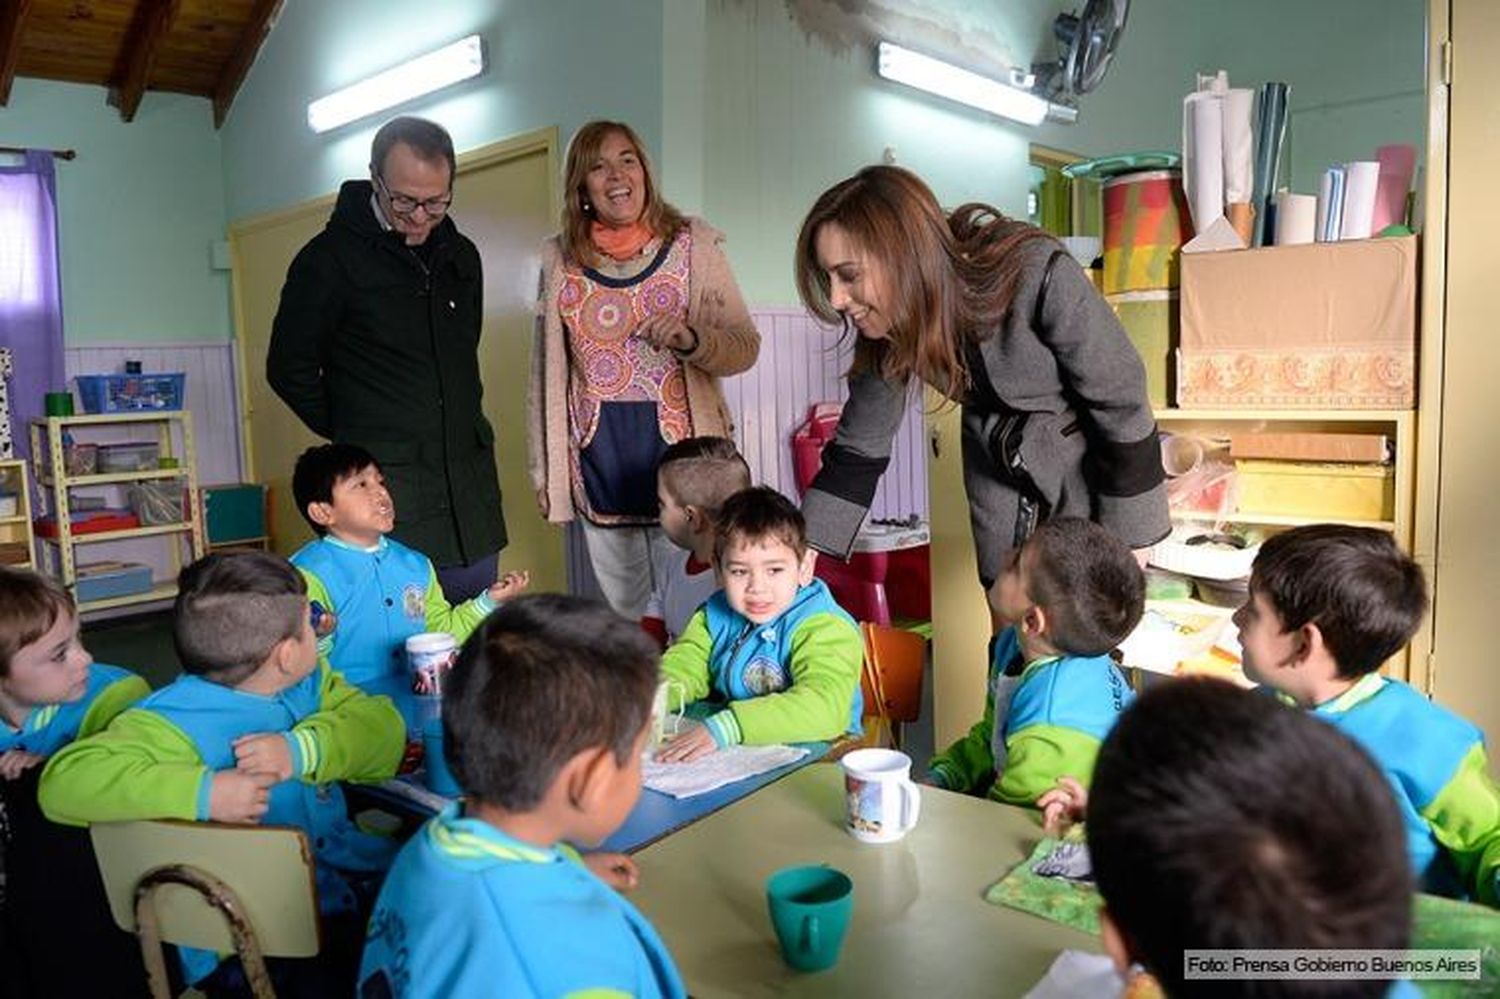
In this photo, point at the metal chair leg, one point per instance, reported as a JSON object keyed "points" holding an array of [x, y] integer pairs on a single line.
{"points": [[217, 894]]}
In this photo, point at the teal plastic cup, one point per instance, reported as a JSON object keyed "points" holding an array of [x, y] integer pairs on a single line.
{"points": [[810, 910]]}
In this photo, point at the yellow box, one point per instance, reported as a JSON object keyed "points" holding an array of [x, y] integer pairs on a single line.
{"points": [[1310, 489]]}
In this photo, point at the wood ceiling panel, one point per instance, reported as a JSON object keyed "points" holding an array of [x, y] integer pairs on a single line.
{"points": [[199, 47]]}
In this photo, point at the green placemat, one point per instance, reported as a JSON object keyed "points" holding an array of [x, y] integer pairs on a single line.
{"points": [[1447, 924], [1057, 899]]}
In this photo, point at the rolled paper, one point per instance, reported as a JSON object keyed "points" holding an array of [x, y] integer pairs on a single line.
{"points": [[1239, 148], [1296, 218], [1270, 138], [1363, 177], [1203, 157], [1398, 164], [1242, 217], [1331, 205]]}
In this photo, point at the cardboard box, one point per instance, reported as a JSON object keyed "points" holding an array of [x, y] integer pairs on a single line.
{"points": [[103, 580], [1318, 326], [1311, 446], [1307, 489]]}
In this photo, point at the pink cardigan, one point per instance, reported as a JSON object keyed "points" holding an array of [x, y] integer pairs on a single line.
{"points": [[728, 343]]}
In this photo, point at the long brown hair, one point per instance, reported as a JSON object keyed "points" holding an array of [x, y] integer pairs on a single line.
{"points": [[578, 217], [950, 278]]}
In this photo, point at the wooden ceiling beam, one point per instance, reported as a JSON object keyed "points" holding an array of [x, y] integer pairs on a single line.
{"points": [[262, 20], [142, 46], [12, 20]]}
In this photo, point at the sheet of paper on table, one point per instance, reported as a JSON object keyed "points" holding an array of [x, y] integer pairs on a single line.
{"points": [[1076, 973], [707, 773]]}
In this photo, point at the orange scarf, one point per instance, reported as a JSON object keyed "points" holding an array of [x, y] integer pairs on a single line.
{"points": [[620, 243]]}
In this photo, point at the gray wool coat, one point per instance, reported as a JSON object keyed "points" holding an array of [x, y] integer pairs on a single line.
{"points": [[1088, 443]]}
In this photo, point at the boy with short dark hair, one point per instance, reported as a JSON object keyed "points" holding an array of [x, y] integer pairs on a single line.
{"points": [[380, 591], [772, 650], [1219, 821], [1071, 593], [52, 901], [693, 479], [1328, 604], [255, 730], [545, 718]]}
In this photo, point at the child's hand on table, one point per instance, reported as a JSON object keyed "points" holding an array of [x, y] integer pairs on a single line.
{"points": [[509, 585], [614, 869], [15, 762], [1062, 806], [695, 742], [239, 797], [264, 753]]}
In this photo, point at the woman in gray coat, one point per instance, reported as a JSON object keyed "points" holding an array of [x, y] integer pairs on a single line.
{"points": [[994, 315]]}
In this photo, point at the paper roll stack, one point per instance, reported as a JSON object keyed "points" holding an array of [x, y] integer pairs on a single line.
{"points": [[1296, 218]]}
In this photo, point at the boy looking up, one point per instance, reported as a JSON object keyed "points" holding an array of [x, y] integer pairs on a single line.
{"points": [[1072, 593], [380, 591], [1330, 603]]}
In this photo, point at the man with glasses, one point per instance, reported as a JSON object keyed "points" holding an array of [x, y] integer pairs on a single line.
{"points": [[376, 343]]}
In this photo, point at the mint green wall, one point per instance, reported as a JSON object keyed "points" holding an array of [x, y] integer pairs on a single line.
{"points": [[788, 114], [138, 211], [558, 62], [1356, 70]]}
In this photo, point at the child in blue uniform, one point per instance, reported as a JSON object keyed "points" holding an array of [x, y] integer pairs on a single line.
{"points": [[380, 591], [1328, 605], [545, 718], [1218, 821], [52, 692], [1071, 593], [774, 653], [693, 479], [256, 730]]}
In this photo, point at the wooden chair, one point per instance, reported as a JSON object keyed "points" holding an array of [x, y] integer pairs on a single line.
{"points": [[247, 889], [891, 680]]}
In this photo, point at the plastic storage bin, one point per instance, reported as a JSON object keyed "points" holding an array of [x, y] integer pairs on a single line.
{"points": [[140, 457], [234, 512], [103, 580], [131, 393]]}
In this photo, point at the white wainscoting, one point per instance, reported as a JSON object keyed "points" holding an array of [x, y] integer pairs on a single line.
{"points": [[803, 362]]}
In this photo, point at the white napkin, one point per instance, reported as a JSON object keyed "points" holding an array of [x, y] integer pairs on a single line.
{"points": [[725, 766], [1076, 973]]}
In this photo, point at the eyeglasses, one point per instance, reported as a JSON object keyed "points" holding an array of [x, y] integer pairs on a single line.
{"points": [[405, 204]]}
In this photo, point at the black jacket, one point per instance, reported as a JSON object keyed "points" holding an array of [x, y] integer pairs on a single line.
{"points": [[372, 346]]}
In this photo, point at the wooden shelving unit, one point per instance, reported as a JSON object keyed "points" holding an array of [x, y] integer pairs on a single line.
{"points": [[15, 528], [1398, 426], [174, 439]]}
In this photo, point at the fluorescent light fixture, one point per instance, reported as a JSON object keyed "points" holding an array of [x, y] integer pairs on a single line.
{"points": [[414, 78], [947, 80]]}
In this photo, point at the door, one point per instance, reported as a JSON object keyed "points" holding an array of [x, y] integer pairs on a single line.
{"points": [[1467, 369], [505, 201]]}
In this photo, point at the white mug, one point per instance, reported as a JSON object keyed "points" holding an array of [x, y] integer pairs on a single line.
{"points": [[881, 804], [666, 723]]}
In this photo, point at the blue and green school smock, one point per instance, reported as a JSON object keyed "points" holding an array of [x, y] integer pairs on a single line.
{"points": [[470, 911]]}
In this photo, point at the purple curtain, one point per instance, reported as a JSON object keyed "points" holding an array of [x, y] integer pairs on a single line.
{"points": [[30, 287]]}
